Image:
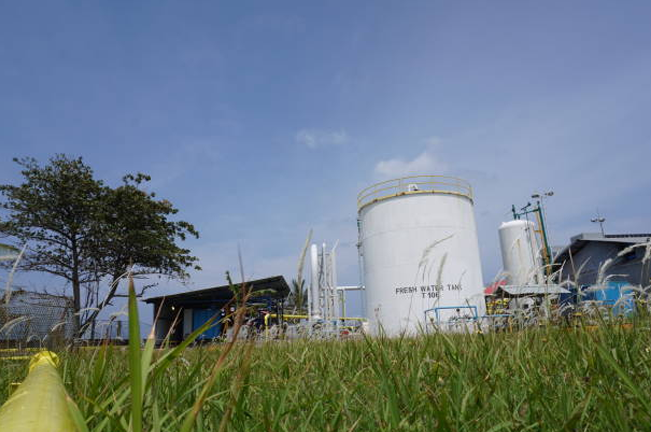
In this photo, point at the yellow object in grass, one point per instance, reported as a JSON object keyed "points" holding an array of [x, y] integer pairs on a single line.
{"points": [[39, 403]]}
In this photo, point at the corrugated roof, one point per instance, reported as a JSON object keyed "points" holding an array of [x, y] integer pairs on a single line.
{"points": [[613, 238], [579, 241], [274, 286], [522, 290], [490, 289]]}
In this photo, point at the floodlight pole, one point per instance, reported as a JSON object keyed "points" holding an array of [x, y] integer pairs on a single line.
{"points": [[599, 219], [547, 252]]}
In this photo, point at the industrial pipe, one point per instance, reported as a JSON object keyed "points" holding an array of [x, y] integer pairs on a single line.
{"points": [[307, 317], [315, 312]]}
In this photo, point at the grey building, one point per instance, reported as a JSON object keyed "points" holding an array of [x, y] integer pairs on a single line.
{"points": [[582, 259]]}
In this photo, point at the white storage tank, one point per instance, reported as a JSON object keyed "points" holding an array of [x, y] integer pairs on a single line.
{"points": [[420, 254], [520, 248]]}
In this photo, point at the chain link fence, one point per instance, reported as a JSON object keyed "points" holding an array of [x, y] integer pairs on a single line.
{"points": [[36, 319]]}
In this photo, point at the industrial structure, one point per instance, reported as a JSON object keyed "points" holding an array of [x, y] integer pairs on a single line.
{"points": [[325, 301], [525, 284], [419, 254], [420, 270]]}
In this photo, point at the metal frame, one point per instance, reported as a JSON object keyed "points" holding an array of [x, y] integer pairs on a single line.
{"points": [[439, 308], [432, 184]]}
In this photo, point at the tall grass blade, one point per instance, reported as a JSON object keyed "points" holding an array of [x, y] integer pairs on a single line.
{"points": [[135, 365]]}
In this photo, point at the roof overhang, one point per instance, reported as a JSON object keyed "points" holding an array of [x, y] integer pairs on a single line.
{"points": [[275, 288], [530, 290], [578, 242]]}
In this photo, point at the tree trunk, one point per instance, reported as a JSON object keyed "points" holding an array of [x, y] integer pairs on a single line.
{"points": [[99, 307], [76, 289]]}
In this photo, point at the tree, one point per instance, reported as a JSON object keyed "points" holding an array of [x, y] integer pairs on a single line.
{"points": [[298, 296], [137, 235], [56, 210], [79, 229]]}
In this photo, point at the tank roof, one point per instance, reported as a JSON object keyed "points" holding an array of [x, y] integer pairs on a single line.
{"points": [[411, 185], [516, 222]]}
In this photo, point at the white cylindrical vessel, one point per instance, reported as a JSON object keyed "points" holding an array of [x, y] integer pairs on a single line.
{"points": [[418, 242], [520, 253], [315, 306]]}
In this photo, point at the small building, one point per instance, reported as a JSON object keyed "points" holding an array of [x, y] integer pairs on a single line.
{"points": [[603, 270], [587, 253], [180, 314]]}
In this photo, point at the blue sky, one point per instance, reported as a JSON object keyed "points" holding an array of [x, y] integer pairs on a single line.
{"points": [[261, 120]]}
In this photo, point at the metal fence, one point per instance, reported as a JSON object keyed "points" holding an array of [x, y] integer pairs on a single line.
{"points": [[35, 317]]}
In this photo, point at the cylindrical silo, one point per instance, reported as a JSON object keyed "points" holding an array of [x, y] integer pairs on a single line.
{"points": [[418, 241], [520, 252]]}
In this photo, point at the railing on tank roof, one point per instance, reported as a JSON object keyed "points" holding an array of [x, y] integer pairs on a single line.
{"points": [[414, 185]]}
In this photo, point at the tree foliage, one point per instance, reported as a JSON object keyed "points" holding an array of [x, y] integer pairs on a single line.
{"points": [[137, 230], [297, 298], [85, 231]]}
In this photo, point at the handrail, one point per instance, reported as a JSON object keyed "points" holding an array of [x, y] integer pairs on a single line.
{"points": [[437, 311], [424, 184], [40, 402], [287, 316]]}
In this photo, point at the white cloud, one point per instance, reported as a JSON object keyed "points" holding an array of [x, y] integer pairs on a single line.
{"points": [[425, 163], [314, 138]]}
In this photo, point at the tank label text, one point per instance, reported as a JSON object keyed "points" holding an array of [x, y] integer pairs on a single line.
{"points": [[427, 291]]}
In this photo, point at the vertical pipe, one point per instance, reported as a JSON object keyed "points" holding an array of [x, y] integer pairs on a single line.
{"points": [[547, 250], [360, 266], [325, 286], [333, 283], [309, 301], [544, 230], [314, 286]]}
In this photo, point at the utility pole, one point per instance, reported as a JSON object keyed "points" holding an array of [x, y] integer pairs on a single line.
{"points": [[543, 226], [542, 230], [600, 220]]}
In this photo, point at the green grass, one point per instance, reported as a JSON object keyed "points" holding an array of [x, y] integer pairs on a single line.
{"points": [[543, 379], [548, 378]]}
